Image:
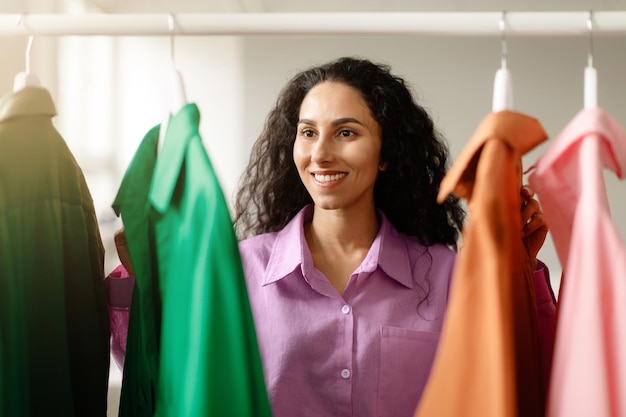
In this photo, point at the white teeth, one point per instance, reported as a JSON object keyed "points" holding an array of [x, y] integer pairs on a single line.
{"points": [[329, 178]]}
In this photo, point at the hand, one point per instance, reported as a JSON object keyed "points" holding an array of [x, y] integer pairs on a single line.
{"points": [[534, 226], [122, 250]]}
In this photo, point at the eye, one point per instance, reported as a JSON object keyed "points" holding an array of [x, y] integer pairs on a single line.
{"points": [[346, 133], [307, 133]]}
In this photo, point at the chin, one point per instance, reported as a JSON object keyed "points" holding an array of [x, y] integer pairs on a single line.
{"points": [[327, 205]]}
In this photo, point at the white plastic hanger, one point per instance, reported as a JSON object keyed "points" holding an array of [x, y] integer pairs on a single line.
{"points": [[26, 78], [178, 97], [591, 75], [176, 93], [503, 83]]}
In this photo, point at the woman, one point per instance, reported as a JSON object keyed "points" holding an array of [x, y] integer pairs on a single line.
{"points": [[348, 257]]}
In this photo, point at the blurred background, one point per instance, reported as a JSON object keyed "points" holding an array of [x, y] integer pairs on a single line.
{"points": [[110, 90]]}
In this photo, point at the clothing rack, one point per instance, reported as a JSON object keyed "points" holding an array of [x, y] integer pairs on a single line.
{"points": [[314, 24]]}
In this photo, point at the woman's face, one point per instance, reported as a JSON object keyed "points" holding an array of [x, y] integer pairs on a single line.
{"points": [[337, 147]]}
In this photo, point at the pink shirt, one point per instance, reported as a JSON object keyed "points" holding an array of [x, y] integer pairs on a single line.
{"points": [[589, 365], [119, 287], [366, 352]]}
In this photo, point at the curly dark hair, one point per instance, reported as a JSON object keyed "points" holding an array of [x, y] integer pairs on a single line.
{"points": [[416, 155]]}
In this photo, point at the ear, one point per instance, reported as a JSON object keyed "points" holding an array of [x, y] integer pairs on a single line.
{"points": [[382, 166]]}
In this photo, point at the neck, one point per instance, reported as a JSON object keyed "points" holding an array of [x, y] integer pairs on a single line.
{"points": [[339, 241], [342, 231]]}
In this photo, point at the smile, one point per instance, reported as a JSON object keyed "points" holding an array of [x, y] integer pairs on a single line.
{"points": [[329, 178]]}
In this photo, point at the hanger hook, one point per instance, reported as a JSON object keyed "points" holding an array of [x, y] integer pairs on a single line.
{"points": [[29, 46], [502, 25], [172, 28], [20, 21], [590, 30]]}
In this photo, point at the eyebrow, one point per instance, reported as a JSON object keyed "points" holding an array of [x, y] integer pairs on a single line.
{"points": [[336, 122]]}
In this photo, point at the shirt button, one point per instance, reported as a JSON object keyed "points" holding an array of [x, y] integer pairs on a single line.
{"points": [[345, 373], [345, 309]]}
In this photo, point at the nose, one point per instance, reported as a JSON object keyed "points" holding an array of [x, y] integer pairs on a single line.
{"points": [[322, 150]]}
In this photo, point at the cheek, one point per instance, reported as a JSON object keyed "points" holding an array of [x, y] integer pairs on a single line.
{"points": [[301, 162], [300, 156], [371, 159]]}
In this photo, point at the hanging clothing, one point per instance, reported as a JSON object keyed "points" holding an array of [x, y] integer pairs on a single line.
{"points": [[191, 347], [589, 368], [120, 287], [141, 361], [54, 328], [489, 359]]}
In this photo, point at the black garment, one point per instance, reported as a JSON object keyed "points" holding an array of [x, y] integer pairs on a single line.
{"points": [[54, 327]]}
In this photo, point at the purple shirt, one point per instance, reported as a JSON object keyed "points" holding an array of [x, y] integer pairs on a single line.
{"points": [[366, 352]]}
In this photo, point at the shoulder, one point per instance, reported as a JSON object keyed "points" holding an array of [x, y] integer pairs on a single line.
{"points": [[441, 257], [439, 254], [278, 251], [407, 255], [442, 253], [434, 263], [257, 250]]}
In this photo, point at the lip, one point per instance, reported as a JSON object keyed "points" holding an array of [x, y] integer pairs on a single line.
{"points": [[327, 172]]}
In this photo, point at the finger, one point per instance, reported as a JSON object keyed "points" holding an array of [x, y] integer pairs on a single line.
{"points": [[536, 223], [529, 210], [527, 192], [119, 237], [123, 253]]}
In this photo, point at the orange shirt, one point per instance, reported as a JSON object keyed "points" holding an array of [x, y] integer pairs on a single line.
{"points": [[488, 362]]}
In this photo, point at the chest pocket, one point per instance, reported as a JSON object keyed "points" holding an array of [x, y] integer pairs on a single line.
{"points": [[406, 358]]}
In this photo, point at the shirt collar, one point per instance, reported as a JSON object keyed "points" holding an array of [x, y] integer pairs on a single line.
{"points": [[289, 247], [518, 131], [586, 122], [291, 251], [29, 101], [181, 129], [393, 253]]}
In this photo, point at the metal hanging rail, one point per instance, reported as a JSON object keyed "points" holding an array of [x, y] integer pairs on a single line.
{"points": [[314, 24]]}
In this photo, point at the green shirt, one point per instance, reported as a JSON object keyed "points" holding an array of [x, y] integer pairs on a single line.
{"points": [[191, 348], [54, 326]]}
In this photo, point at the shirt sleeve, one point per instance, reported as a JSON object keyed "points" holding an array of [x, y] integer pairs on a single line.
{"points": [[119, 286], [546, 314]]}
